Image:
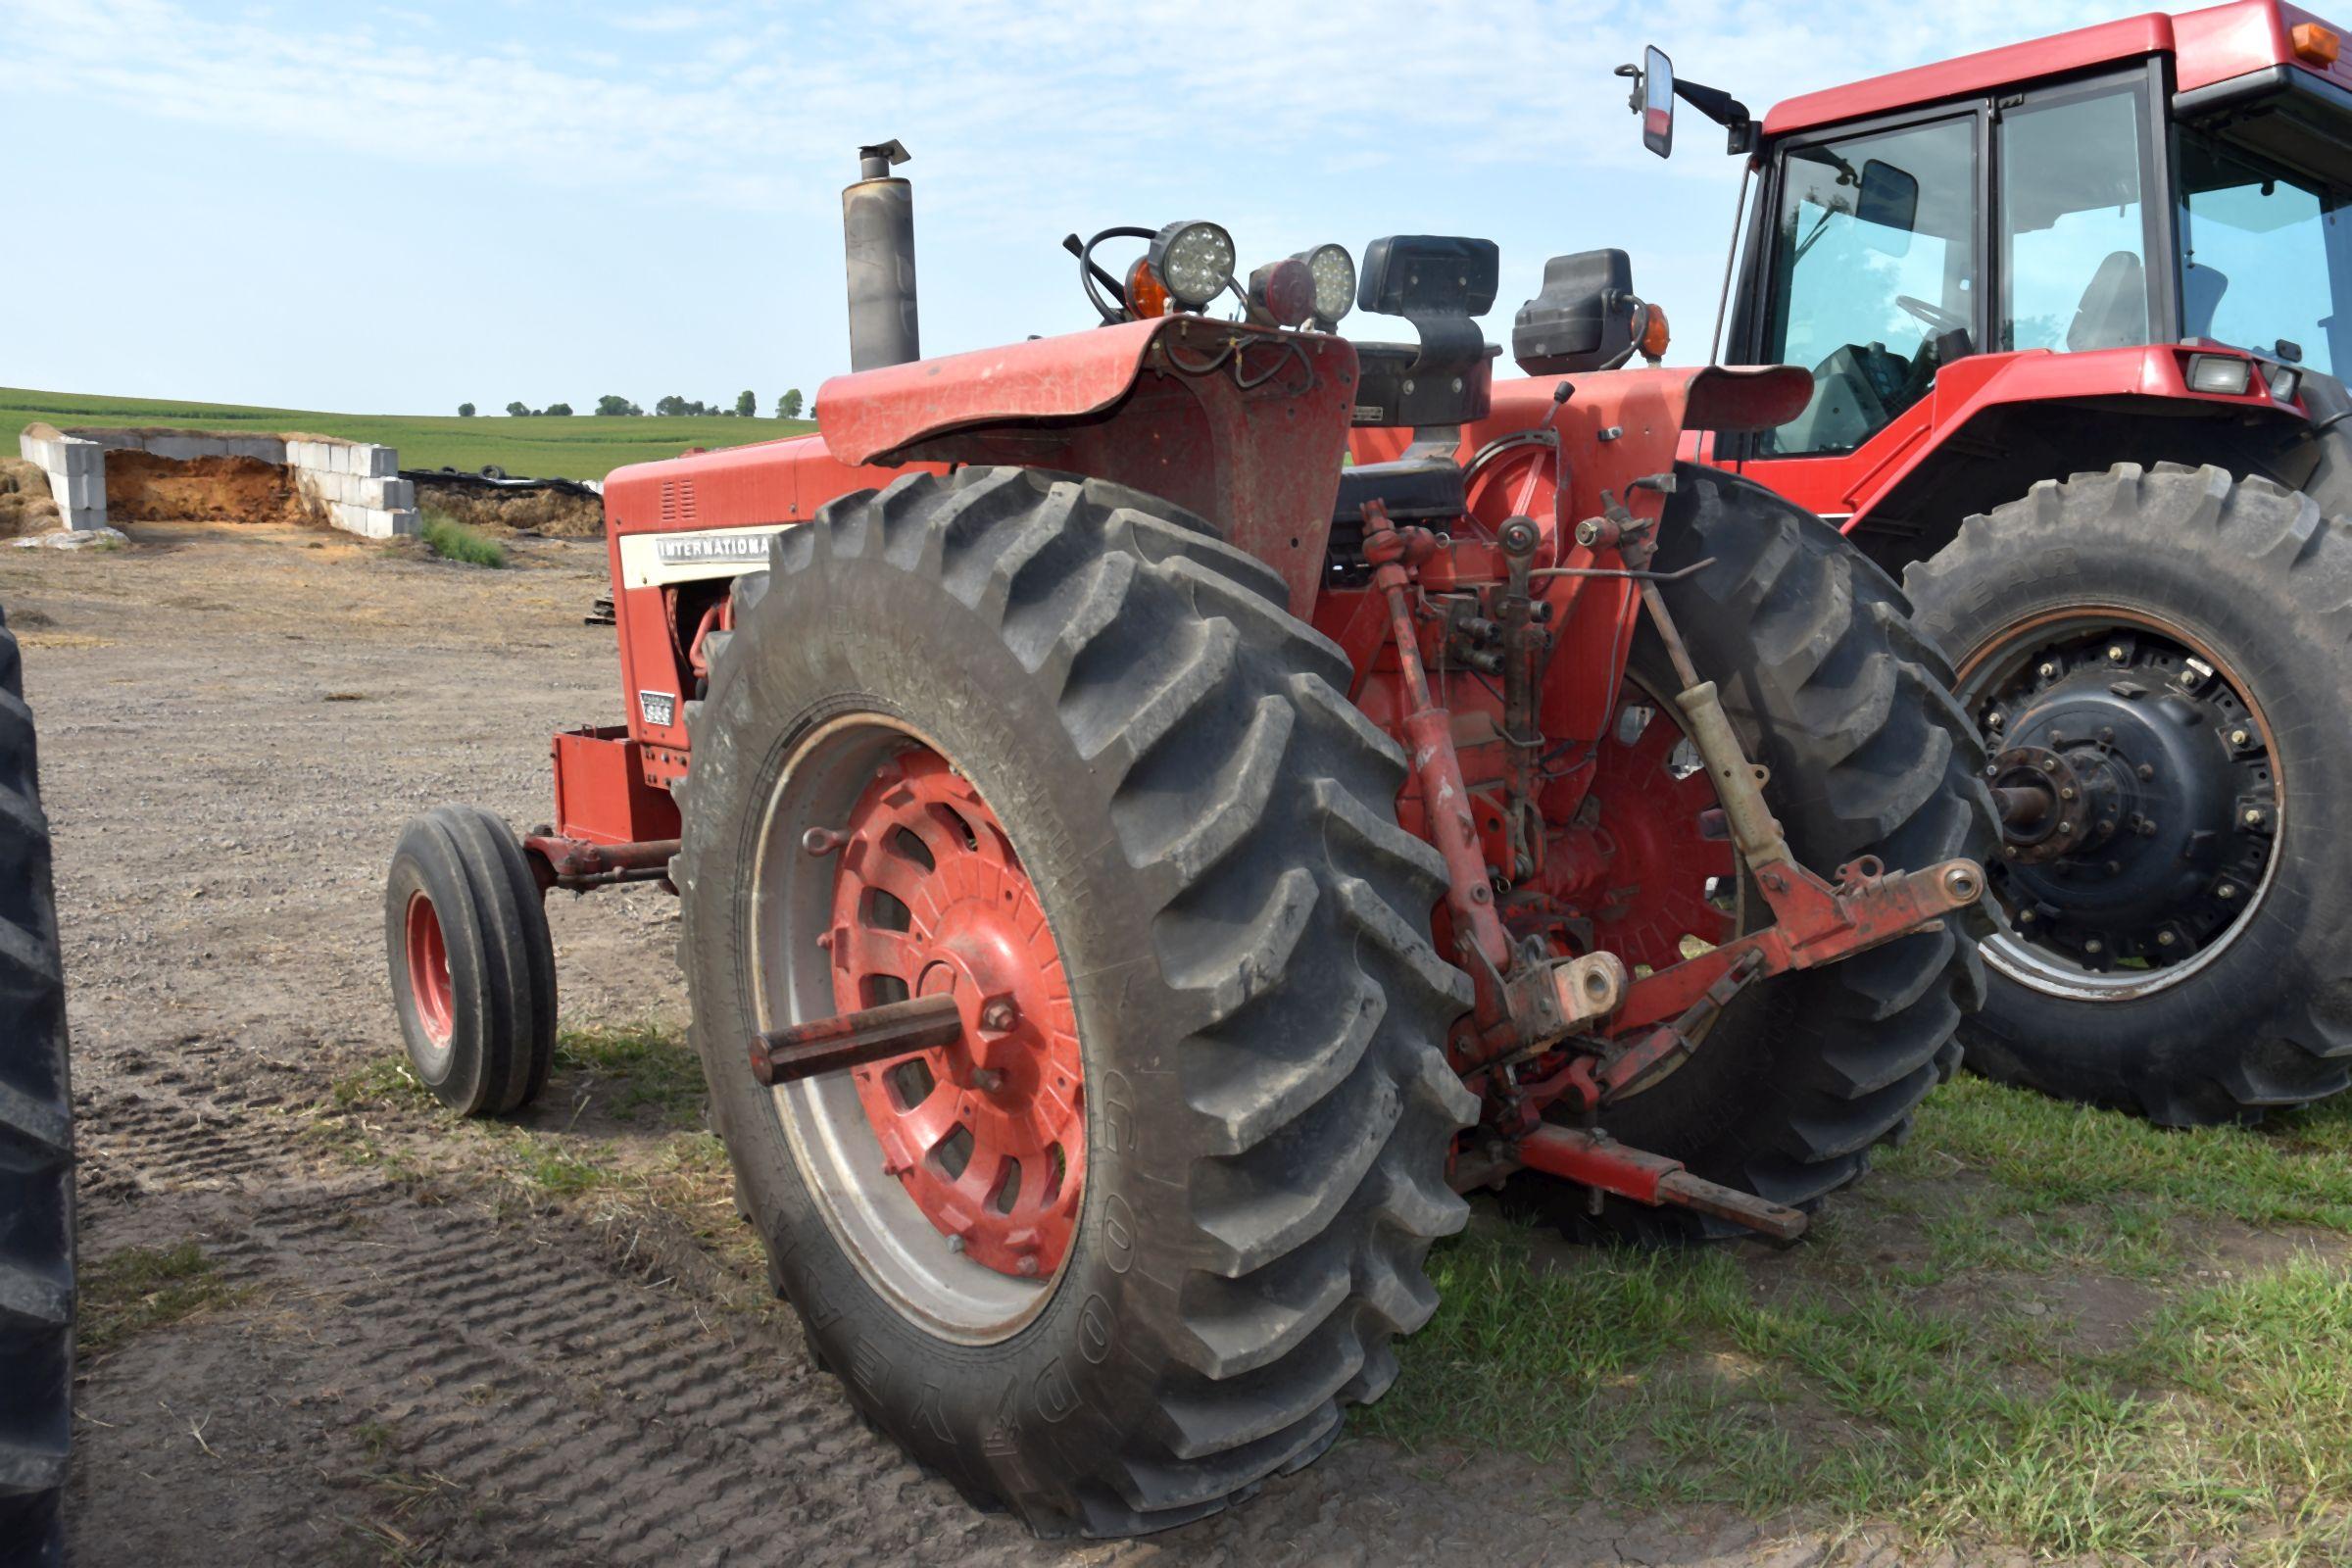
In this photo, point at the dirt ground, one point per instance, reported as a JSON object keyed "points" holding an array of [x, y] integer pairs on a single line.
{"points": [[410, 1357]]}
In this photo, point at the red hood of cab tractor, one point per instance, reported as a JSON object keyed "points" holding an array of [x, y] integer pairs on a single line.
{"points": [[2207, 46]]}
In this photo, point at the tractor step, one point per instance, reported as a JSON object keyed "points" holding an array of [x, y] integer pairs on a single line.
{"points": [[855, 1038], [1600, 1162]]}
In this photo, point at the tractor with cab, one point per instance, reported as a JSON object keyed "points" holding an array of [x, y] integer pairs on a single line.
{"points": [[2078, 313], [1139, 870]]}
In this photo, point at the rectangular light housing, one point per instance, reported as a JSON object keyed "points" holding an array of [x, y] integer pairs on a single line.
{"points": [[2219, 373]]}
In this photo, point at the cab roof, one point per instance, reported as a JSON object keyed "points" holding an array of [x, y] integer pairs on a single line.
{"points": [[2209, 46]]}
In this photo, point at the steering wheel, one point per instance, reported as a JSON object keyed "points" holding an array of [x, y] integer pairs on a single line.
{"points": [[1091, 274], [1936, 315]]}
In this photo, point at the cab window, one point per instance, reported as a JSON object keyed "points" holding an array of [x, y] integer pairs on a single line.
{"points": [[2074, 237], [1874, 276], [2266, 254]]}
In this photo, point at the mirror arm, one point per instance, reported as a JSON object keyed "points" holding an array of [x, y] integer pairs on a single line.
{"points": [[1723, 109]]}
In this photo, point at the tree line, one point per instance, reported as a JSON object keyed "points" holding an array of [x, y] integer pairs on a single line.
{"points": [[611, 405]]}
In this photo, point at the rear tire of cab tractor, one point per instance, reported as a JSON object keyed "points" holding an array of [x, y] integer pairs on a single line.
{"points": [[474, 970], [2175, 642], [1091, 779], [36, 1154], [1833, 691]]}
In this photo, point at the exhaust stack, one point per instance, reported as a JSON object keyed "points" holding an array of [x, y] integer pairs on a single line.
{"points": [[877, 221]]}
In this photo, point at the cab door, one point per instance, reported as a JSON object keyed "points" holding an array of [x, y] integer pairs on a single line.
{"points": [[1874, 254]]}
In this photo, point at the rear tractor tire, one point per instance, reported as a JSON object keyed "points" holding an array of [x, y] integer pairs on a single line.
{"points": [[474, 970], [2175, 645], [1130, 1244], [1832, 690], [37, 1155]]}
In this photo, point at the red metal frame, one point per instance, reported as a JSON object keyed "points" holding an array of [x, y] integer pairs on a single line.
{"points": [[2217, 44]]}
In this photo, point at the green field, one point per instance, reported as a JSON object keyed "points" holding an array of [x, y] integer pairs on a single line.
{"points": [[578, 447]]}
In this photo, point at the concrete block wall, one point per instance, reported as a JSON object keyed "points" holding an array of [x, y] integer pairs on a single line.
{"points": [[77, 470], [355, 483]]}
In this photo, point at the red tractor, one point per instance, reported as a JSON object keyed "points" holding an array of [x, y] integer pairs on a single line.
{"points": [[2077, 311], [1139, 872]]}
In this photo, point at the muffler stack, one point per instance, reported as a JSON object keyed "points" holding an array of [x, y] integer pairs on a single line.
{"points": [[877, 221]]}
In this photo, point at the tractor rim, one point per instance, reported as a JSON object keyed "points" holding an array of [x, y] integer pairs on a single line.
{"points": [[954, 1176], [2172, 840], [429, 985]]}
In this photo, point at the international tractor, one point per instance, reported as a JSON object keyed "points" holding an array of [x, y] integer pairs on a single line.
{"points": [[1140, 871], [2079, 314]]}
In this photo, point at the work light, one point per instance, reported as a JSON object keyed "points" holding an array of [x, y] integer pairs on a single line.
{"points": [[1194, 259], [1334, 272]]}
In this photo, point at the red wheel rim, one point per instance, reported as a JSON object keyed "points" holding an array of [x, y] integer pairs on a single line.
{"points": [[428, 971], [986, 1135], [1655, 803]]}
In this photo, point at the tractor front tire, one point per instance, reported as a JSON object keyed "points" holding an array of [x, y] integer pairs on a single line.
{"points": [[474, 970], [2185, 638], [1831, 691], [36, 1154], [1113, 721]]}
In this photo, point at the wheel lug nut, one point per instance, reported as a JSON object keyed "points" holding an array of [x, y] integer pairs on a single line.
{"points": [[2094, 945], [998, 1015], [955, 1244], [2254, 818], [1028, 1263], [2238, 737], [988, 1080], [2165, 939], [2147, 770], [1994, 722], [2066, 792], [2047, 672], [2225, 892], [2115, 653]]}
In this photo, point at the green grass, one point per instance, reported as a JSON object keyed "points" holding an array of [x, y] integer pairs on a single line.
{"points": [[638, 1065], [143, 1288], [445, 536], [583, 446], [1919, 1362], [2297, 1169]]}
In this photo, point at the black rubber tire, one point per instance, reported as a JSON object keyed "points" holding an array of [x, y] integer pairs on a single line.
{"points": [[501, 962], [1832, 690], [2256, 572], [36, 1154], [1211, 828]]}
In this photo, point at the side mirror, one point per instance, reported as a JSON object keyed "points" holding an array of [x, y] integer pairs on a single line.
{"points": [[1657, 101], [1582, 321]]}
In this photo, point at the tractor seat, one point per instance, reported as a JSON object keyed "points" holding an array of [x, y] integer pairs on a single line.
{"points": [[1414, 489]]}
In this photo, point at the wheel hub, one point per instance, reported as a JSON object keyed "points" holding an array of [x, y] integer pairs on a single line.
{"points": [[986, 1135], [2156, 808]]}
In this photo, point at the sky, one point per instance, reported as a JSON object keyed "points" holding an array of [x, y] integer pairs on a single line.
{"points": [[395, 209]]}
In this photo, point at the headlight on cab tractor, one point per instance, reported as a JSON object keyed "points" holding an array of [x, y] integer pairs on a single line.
{"points": [[1334, 272], [1194, 259], [2223, 374]]}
